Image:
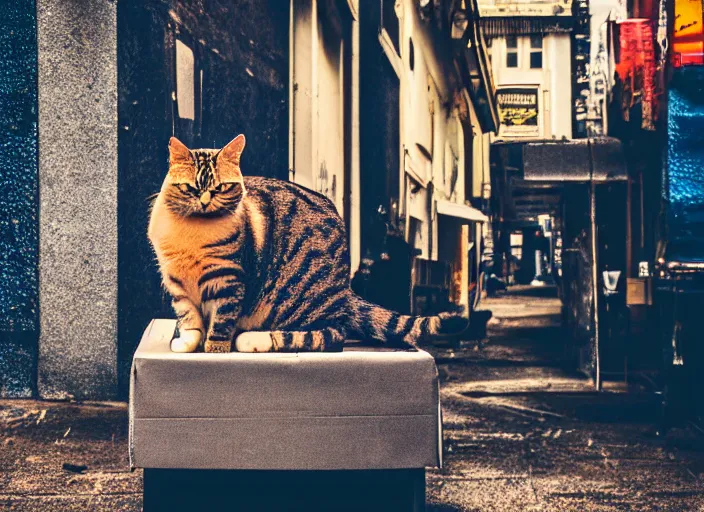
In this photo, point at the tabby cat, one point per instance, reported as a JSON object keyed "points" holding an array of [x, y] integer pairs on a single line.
{"points": [[261, 261]]}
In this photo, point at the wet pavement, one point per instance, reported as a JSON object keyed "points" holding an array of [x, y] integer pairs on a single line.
{"points": [[521, 433]]}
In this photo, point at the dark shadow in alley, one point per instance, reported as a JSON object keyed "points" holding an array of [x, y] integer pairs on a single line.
{"points": [[591, 406]]}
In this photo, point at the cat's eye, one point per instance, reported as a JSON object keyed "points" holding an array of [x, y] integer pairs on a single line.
{"points": [[223, 187], [186, 188]]}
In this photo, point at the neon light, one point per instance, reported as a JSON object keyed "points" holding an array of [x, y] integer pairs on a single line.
{"points": [[688, 40]]}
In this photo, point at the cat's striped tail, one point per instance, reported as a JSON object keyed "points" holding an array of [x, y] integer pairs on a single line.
{"points": [[369, 321]]}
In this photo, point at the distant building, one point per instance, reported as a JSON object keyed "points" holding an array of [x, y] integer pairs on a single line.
{"points": [[530, 44], [556, 180]]}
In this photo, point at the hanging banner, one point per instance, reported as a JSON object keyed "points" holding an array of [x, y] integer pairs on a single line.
{"points": [[636, 68]]}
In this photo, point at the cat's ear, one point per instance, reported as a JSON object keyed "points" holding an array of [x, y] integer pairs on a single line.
{"points": [[178, 152], [233, 150]]}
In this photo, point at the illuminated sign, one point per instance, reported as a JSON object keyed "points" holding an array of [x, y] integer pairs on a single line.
{"points": [[688, 40], [518, 110], [636, 68]]}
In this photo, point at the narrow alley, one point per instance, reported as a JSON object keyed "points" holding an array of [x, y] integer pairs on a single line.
{"points": [[521, 433]]}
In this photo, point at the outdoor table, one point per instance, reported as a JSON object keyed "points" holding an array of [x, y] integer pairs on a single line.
{"points": [[353, 429]]}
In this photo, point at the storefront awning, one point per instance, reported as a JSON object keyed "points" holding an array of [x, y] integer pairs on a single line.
{"points": [[461, 212], [564, 161]]}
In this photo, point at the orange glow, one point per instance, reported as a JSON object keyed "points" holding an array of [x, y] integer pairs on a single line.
{"points": [[688, 40], [637, 60]]}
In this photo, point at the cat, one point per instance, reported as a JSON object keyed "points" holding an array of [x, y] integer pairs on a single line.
{"points": [[261, 262]]}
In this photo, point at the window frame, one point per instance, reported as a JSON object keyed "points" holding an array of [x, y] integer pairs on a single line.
{"points": [[535, 50], [512, 51]]}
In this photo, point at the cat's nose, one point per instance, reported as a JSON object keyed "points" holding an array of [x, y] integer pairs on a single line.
{"points": [[205, 199]]}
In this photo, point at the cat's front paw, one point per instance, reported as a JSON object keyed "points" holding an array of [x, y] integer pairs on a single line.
{"points": [[187, 342], [254, 341]]}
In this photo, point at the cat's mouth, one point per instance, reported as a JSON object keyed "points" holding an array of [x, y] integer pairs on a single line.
{"points": [[210, 213]]}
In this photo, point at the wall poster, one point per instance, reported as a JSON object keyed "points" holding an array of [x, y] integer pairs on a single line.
{"points": [[518, 111]]}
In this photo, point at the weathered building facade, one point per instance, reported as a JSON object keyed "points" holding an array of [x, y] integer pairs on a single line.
{"points": [[422, 114]]}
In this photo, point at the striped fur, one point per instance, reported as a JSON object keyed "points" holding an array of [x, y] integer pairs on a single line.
{"points": [[256, 254]]}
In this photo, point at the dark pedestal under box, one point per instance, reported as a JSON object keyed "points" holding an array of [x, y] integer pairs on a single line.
{"points": [[324, 416]]}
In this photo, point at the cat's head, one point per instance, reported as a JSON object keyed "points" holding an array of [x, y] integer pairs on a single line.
{"points": [[204, 182]]}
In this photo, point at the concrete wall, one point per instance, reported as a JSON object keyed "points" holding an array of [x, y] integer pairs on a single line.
{"points": [[77, 42], [431, 134], [434, 145]]}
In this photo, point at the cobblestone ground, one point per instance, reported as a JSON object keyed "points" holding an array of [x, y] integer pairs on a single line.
{"points": [[520, 434]]}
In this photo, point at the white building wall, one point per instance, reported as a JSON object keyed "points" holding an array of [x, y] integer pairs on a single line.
{"points": [[559, 53], [433, 163], [430, 130], [324, 43]]}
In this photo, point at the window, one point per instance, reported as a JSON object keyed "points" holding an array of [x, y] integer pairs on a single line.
{"points": [[536, 51], [511, 52], [488, 48], [185, 82]]}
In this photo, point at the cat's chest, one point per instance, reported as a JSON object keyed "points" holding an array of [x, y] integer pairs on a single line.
{"points": [[179, 246]]}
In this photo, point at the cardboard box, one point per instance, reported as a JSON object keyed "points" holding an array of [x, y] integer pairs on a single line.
{"points": [[362, 408], [638, 291]]}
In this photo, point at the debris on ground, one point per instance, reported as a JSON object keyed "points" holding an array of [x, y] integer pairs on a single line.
{"points": [[74, 468]]}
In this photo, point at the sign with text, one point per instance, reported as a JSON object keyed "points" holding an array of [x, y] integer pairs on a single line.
{"points": [[518, 110]]}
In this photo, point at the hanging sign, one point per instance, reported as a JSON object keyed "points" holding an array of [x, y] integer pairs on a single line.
{"points": [[636, 68]]}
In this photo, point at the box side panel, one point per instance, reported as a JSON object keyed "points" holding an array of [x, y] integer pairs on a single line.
{"points": [[346, 385], [372, 442]]}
